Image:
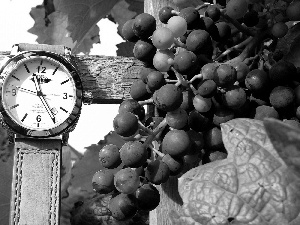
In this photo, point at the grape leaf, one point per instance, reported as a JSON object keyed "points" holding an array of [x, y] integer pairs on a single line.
{"points": [[286, 141], [125, 10], [70, 23], [253, 185], [125, 49], [84, 169]]}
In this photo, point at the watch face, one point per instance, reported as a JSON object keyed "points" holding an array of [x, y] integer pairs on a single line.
{"points": [[40, 95]]}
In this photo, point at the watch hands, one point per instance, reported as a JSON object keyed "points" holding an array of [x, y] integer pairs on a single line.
{"points": [[41, 96]]}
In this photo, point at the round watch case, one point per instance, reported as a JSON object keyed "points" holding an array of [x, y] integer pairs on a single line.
{"points": [[66, 125]]}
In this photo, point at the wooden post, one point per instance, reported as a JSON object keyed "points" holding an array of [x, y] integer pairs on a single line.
{"points": [[169, 196]]}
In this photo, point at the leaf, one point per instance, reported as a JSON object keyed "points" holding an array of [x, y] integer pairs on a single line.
{"points": [[289, 45], [85, 168], [253, 185], [286, 141], [70, 23], [121, 12], [125, 49]]}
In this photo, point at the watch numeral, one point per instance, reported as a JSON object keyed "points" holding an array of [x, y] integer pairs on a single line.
{"points": [[13, 92], [38, 118], [26, 68], [41, 69], [24, 117], [65, 95]]}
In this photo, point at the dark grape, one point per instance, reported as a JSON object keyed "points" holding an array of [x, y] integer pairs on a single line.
{"points": [[176, 143], [109, 156], [257, 81], [207, 88], [125, 124], [131, 105], [157, 172], [144, 25], [127, 180], [236, 8], [127, 31], [223, 32], [103, 181], [175, 164], [213, 139], [197, 142], [234, 97], [208, 70], [168, 97], [192, 17], [165, 14], [144, 71], [144, 50], [225, 75], [222, 115], [133, 154], [148, 197], [123, 207], [187, 100], [282, 97], [241, 71], [155, 80], [282, 72], [202, 104], [198, 40], [213, 12], [177, 119], [293, 11], [199, 121], [186, 63], [138, 91], [279, 29], [265, 111], [251, 18]]}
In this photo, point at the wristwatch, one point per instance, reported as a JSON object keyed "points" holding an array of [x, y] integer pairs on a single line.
{"points": [[41, 99]]}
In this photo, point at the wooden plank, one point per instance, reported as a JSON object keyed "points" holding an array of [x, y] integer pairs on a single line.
{"points": [[106, 80]]}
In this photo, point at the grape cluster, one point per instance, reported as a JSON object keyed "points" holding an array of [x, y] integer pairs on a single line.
{"points": [[205, 66]]}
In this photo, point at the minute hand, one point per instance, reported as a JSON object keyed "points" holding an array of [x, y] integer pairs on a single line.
{"points": [[41, 96]]}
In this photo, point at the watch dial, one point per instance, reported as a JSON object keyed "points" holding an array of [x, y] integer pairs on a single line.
{"points": [[39, 93]]}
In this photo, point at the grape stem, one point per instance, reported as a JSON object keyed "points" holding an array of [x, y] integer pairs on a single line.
{"points": [[238, 46], [198, 76], [180, 78], [146, 129], [204, 5], [156, 131], [178, 43], [160, 154], [239, 26], [250, 47], [145, 102]]}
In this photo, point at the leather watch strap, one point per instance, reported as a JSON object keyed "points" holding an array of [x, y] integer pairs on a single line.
{"points": [[36, 182], [59, 49]]}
